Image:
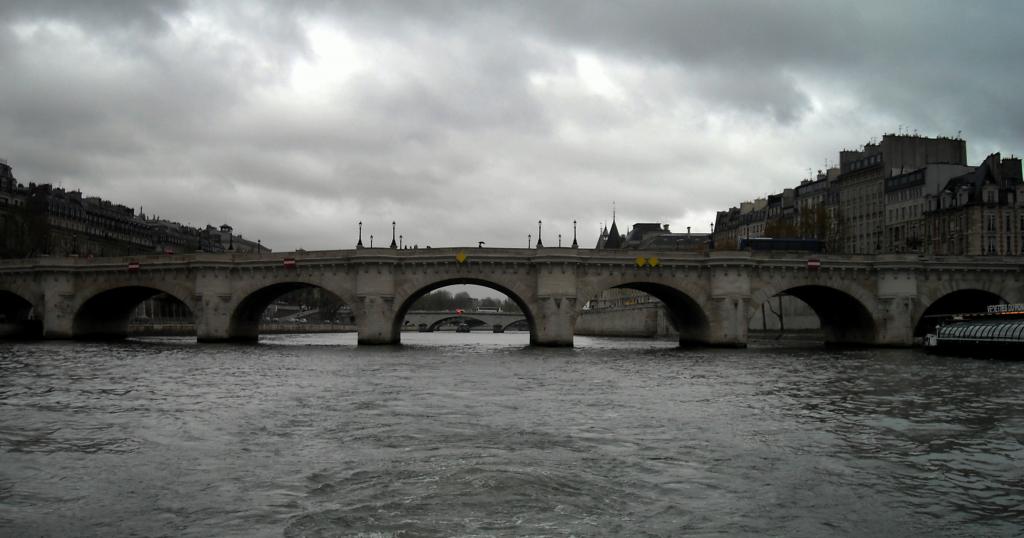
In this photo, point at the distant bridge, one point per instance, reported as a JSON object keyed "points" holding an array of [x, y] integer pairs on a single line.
{"points": [[869, 300], [430, 320]]}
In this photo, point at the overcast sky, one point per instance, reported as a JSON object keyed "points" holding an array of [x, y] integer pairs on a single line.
{"points": [[471, 121]]}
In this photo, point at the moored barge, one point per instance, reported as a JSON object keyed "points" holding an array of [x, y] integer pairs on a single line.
{"points": [[996, 333]]}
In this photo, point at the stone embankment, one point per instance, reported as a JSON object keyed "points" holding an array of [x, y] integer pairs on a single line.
{"points": [[651, 319], [187, 329]]}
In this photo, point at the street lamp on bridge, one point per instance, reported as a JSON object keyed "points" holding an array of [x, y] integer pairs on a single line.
{"points": [[393, 243], [574, 243], [360, 243], [540, 243]]}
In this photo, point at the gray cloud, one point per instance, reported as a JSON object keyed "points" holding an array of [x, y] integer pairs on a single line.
{"points": [[469, 122]]}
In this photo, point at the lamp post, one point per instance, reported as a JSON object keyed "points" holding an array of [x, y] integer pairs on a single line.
{"points": [[559, 240], [360, 243], [371, 240], [529, 240], [400, 242], [259, 246], [393, 243], [540, 243], [574, 243]]}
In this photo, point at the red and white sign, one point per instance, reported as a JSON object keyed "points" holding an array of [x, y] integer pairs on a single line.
{"points": [[289, 263], [458, 311], [133, 266], [813, 264]]}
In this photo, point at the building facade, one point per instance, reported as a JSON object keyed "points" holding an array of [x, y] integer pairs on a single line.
{"points": [[816, 206], [42, 220], [980, 213], [906, 193], [861, 212], [906, 204], [747, 221]]}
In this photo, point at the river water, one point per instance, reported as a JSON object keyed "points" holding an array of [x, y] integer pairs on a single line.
{"points": [[479, 435]]}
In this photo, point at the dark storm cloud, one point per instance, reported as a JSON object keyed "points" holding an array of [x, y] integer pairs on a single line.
{"points": [[470, 121], [146, 16]]}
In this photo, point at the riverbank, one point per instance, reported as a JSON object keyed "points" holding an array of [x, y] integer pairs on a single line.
{"points": [[188, 329]]}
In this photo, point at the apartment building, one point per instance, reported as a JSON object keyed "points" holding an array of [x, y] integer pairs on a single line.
{"points": [[905, 204], [861, 184], [979, 213]]}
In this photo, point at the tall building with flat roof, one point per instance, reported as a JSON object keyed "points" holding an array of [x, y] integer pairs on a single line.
{"points": [[861, 184]]}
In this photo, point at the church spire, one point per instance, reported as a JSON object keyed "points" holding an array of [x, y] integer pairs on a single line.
{"points": [[614, 239]]}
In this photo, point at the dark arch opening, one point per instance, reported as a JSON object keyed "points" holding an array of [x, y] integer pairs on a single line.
{"points": [[161, 315], [957, 302], [17, 317], [844, 319], [641, 316], [107, 315], [289, 307], [399, 320]]}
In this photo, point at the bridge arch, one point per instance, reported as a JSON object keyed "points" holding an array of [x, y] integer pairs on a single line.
{"points": [[952, 299], [104, 315], [14, 306], [247, 311], [845, 311], [405, 301], [686, 304], [18, 316]]}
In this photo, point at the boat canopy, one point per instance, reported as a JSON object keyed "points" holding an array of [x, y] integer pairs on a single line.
{"points": [[989, 330]]}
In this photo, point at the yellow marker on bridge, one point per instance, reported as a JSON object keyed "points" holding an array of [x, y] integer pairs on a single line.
{"points": [[460, 257], [641, 261], [653, 261]]}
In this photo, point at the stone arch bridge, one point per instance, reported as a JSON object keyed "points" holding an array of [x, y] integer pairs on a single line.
{"points": [[869, 300], [434, 319]]}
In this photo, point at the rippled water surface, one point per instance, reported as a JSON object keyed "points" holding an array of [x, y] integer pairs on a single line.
{"points": [[480, 435]]}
